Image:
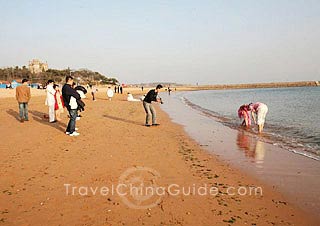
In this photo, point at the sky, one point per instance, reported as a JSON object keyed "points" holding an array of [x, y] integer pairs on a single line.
{"points": [[183, 41]]}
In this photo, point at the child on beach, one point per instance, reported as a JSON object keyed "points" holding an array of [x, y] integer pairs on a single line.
{"points": [[243, 112], [59, 105], [259, 111]]}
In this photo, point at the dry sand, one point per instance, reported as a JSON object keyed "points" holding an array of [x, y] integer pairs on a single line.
{"points": [[37, 159]]}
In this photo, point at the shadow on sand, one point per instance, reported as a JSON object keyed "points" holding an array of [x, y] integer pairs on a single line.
{"points": [[14, 114], [123, 120], [39, 117]]}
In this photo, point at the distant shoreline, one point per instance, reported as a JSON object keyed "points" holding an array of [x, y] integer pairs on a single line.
{"points": [[252, 85]]}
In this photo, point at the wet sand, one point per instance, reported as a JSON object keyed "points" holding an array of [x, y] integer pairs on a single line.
{"points": [[292, 174], [38, 159]]}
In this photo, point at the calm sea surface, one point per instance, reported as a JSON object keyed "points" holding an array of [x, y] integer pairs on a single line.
{"points": [[293, 120]]}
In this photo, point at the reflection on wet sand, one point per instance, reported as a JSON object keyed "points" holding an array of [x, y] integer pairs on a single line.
{"points": [[253, 148]]}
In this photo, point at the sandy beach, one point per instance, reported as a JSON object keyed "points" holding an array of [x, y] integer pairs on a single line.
{"points": [[49, 178]]}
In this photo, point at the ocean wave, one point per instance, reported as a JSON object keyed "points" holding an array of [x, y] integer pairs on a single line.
{"points": [[287, 137]]}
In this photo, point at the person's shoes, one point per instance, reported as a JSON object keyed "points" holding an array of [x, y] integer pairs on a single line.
{"points": [[68, 133], [26, 119], [76, 129], [155, 124], [54, 121], [147, 125], [74, 134], [22, 120]]}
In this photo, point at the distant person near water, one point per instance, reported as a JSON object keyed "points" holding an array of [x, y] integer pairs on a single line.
{"points": [[152, 96], [23, 96], [259, 110], [243, 112], [50, 101], [59, 104], [69, 94]]}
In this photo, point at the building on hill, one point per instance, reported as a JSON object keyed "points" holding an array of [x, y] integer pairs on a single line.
{"points": [[36, 66]]}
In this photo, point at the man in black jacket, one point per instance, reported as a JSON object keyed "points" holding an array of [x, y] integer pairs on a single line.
{"points": [[151, 96], [69, 94]]}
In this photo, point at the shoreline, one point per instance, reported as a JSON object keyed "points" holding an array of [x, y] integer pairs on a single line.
{"points": [[113, 139], [290, 173]]}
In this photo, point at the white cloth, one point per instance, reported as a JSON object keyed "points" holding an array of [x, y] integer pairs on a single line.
{"points": [[130, 98], [110, 93], [73, 103], [262, 111], [50, 95], [82, 95], [51, 113]]}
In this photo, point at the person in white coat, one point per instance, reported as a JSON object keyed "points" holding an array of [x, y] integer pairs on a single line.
{"points": [[50, 101]]}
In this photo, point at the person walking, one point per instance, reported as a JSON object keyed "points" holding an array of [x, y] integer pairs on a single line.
{"points": [[259, 112], [50, 101], [23, 96], [67, 93], [59, 104], [152, 96]]}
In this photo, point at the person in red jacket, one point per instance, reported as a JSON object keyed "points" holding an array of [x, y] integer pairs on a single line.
{"points": [[59, 104]]}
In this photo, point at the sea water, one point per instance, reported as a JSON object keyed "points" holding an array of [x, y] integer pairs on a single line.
{"points": [[292, 122]]}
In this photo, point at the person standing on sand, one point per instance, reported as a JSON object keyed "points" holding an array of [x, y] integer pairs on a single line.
{"points": [[259, 110], [23, 96], [243, 112], [67, 93], [93, 92], [151, 96], [50, 101], [110, 93], [59, 105]]}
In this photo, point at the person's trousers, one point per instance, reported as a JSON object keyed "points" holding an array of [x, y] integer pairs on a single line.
{"points": [[23, 111], [150, 112], [51, 113], [72, 121]]}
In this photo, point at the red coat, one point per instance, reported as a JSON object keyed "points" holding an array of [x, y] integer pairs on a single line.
{"points": [[56, 107]]}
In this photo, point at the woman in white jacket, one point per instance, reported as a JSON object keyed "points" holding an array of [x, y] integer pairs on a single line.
{"points": [[50, 101]]}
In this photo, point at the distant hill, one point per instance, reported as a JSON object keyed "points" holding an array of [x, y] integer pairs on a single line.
{"points": [[83, 76]]}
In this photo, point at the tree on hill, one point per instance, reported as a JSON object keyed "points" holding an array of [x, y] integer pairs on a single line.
{"points": [[83, 76]]}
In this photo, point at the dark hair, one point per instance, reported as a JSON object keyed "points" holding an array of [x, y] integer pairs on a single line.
{"points": [[50, 81], [159, 86], [55, 86], [24, 80], [68, 78]]}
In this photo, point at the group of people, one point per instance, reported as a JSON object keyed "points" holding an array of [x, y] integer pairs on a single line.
{"points": [[56, 101], [71, 99], [258, 113], [118, 89]]}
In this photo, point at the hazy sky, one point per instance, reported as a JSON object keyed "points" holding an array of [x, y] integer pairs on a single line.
{"points": [[185, 41]]}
